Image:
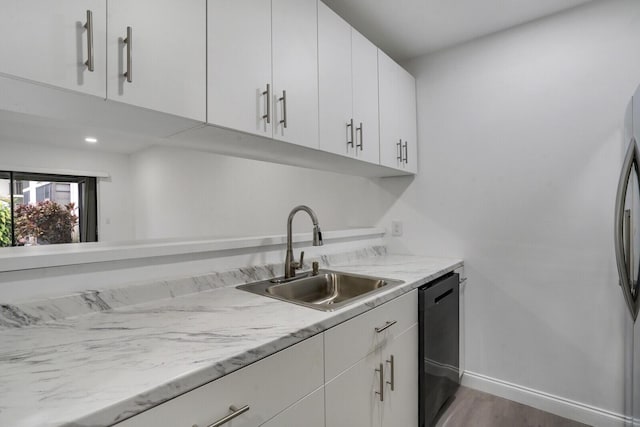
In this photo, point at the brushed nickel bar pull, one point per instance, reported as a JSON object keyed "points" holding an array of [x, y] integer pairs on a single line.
{"points": [[406, 153], [386, 326], [235, 413], [89, 27], [381, 392], [267, 94], [129, 42], [399, 145], [391, 362], [284, 108], [361, 141], [350, 126]]}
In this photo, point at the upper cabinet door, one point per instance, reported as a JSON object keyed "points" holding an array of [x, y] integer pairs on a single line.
{"points": [[398, 135], [408, 119], [160, 45], [295, 71], [365, 98], [337, 125], [239, 65], [49, 42], [389, 95]]}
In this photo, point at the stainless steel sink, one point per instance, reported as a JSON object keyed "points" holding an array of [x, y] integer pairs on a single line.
{"points": [[326, 291]]}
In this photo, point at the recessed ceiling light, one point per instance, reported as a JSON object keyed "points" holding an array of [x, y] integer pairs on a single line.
{"points": [[91, 140]]}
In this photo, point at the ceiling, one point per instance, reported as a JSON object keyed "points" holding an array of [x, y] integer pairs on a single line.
{"points": [[408, 28]]}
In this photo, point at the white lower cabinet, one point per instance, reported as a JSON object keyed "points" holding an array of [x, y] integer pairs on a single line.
{"points": [[401, 403], [267, 387], [380, 390], [372, 379], [308, 412], [360, 373], [351, 397]]}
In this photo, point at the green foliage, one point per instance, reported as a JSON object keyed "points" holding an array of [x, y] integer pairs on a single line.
{"points": [[5, 223], [47, 221]]}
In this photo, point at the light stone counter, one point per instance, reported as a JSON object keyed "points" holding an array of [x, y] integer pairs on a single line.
{"points": [[117, 356]]}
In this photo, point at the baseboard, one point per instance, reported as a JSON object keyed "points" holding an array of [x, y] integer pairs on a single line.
{"points": [[567, 408]]}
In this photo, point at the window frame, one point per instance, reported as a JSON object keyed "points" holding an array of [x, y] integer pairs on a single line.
{"points": [[87, 200]]}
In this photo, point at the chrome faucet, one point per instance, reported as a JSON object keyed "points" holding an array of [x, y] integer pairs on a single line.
{"points": [[290, 266]]}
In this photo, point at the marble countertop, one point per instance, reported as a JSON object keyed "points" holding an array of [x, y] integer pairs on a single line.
{"points": [[100, 367]]}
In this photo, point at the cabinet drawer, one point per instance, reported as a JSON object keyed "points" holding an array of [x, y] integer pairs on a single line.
{"points": [[308, 412], [267, 386], [352, 340]]}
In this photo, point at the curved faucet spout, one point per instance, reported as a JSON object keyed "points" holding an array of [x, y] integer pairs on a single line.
{"points": [[290, 265]]}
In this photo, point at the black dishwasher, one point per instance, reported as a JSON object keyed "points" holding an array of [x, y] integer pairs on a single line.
{"points": [[438, 305]]}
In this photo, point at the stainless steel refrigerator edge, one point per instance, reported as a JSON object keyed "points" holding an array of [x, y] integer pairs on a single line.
{"points": [[627, 250]]}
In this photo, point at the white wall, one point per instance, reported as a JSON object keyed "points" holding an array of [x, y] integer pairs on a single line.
{"points": [[520, 148], [114, 193], [187, 193]]}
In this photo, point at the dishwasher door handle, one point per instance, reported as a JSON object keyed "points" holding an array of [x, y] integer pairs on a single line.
{"points": [[442, 296]]}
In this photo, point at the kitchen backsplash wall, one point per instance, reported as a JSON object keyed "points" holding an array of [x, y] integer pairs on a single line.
{"points": [[186, 193], [520, 149]]}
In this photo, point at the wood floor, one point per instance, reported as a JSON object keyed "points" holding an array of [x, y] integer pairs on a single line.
{"points": [[472, 408]]}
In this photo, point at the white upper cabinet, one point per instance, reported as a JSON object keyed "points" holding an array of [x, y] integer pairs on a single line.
{"points": [[365, 97], [239, 65], [348, 81], [397, 100], [337, 128], [408, 120], [295, 71], [50, 41], [161, 46]]}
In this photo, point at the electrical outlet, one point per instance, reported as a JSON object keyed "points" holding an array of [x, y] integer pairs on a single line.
{"points": [[396, 228]]}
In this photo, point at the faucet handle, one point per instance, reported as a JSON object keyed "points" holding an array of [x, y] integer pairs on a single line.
{"points": [[298, 264]]}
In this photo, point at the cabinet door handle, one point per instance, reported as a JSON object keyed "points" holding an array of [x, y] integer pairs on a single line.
{"points": [[391, 362], [399, 146], [386, 326], [381, 373], [406, 153], [284, 108], [361, 140], [350, 127], [267, 94], [129, 42], [235, 412], [89, 27]]}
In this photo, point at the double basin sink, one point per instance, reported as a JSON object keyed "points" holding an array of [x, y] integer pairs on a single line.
{"points": [[327, 290]]}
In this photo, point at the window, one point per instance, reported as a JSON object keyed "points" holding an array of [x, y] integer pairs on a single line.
{"points": [[43, 209]]}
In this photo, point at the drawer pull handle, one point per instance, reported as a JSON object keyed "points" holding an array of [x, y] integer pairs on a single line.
{"points": [[391, 362], [235, 412], [387, 325], [381, 373]]}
